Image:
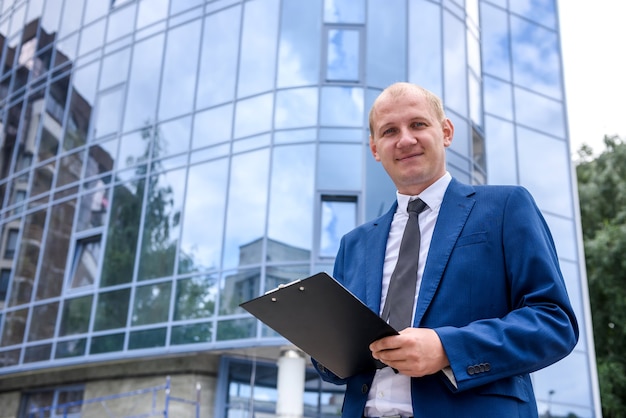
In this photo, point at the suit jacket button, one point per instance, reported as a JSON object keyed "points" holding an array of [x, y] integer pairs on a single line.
{"points": [[364, 388], [487, 367], [471, 370], [481, 367]]}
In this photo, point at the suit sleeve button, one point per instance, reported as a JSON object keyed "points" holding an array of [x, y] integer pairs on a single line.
{"points": [[471, 370], [487, 367], [364, 388]]}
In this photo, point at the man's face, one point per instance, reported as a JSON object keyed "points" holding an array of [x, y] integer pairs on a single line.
{"points": [[410, 141]]}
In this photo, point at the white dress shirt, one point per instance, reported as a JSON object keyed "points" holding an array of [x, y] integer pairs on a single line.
{"points": [[390, 393]]}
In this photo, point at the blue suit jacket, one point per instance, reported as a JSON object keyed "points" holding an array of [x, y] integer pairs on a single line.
{"points": [[493, 291]]}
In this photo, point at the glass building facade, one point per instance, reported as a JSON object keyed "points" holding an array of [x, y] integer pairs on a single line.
{"points": [[162, 161]]}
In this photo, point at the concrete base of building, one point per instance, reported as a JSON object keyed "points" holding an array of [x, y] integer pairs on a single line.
{"points": [[118, 385]]}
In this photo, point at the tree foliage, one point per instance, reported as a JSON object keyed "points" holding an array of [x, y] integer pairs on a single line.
{"points": [[602, 193]]}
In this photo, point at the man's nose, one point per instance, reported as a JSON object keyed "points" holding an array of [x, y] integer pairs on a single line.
{"points": [[406, 138]]}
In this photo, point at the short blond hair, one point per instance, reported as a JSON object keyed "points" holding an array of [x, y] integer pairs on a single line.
{"points": [[403, 88]]}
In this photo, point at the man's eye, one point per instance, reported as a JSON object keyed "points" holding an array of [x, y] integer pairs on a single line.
{"points": [[388, 131], [418, 124]]}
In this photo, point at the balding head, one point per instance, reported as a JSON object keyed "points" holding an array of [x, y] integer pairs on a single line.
{"points": [[407, 89]]}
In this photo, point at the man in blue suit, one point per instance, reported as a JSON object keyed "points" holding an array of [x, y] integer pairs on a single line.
{"points": [[490, 305]]}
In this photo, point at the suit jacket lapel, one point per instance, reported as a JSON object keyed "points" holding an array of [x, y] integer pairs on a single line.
{"points": [[455, 209], [375, 258]]}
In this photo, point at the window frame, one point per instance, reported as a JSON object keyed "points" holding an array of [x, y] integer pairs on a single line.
{"points": [[336, 197], [81, 247], [360, 29]]}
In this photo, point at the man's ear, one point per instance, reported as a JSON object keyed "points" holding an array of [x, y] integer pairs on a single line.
{"points": [[373, 149], [448, 132]]}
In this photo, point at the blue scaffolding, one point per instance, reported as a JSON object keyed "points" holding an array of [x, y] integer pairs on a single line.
{"points": [[70, 409]]}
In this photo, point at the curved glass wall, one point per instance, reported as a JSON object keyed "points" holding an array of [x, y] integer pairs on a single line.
{"points": [[164, 160]]}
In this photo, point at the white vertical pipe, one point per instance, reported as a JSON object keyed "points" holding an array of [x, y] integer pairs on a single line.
{"points": [[290, 385]]}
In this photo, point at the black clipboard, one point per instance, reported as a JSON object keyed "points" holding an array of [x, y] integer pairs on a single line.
{"points": [[325, 320]]}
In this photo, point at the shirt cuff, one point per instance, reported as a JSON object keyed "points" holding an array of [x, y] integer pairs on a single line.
{"points": [[450, 375]]}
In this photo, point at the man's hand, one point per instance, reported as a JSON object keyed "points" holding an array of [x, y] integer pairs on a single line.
{"points": [[415, 352]]}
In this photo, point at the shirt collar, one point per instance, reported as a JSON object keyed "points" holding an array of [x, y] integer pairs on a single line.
{"points": [[432, 196]]}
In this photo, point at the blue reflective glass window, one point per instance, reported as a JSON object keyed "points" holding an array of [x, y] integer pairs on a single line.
{"points": [[101, 157], [341, 134], [178, 6], [191, 334], [571, 275], [151, 11], [109, 105], [13, 329], [462, 137], [28, 257], [564, 235], [5, 276], [43, 321], [50, 281], [295, 135], [540, 113], [536, 58], [386, 42], [148, 338], [495, 40], [290, 220], [212, 126], [195, 298], [344, 11], [233, 329], [540, 11], [218, 58], [498, 97], [121, 244], [563, 385], [71, 348], [424, 48], [92, 37], [253, 116], [121, 22], [241, 285], [70, 19], [342, 55], [257, 61], [51, 16], [539, 154], [112, 310], [475, 99], [501, 151], [342, 106], [161, 227], [339, 166], [143, 84], [178, 84], [114, 69], [151, 303], [300, 39], [94, 9], [338, 216], [455, 64], [35, 8], [247, 206], [37, 353], [296, 108], [106, 343], [76, 315], [201, 241], [86, 262], [174, 137]]}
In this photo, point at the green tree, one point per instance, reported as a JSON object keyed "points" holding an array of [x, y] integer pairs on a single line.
{"points": [[602, 193]]}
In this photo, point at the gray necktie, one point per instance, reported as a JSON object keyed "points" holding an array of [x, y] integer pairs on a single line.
{"points": [[398, 310]]}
